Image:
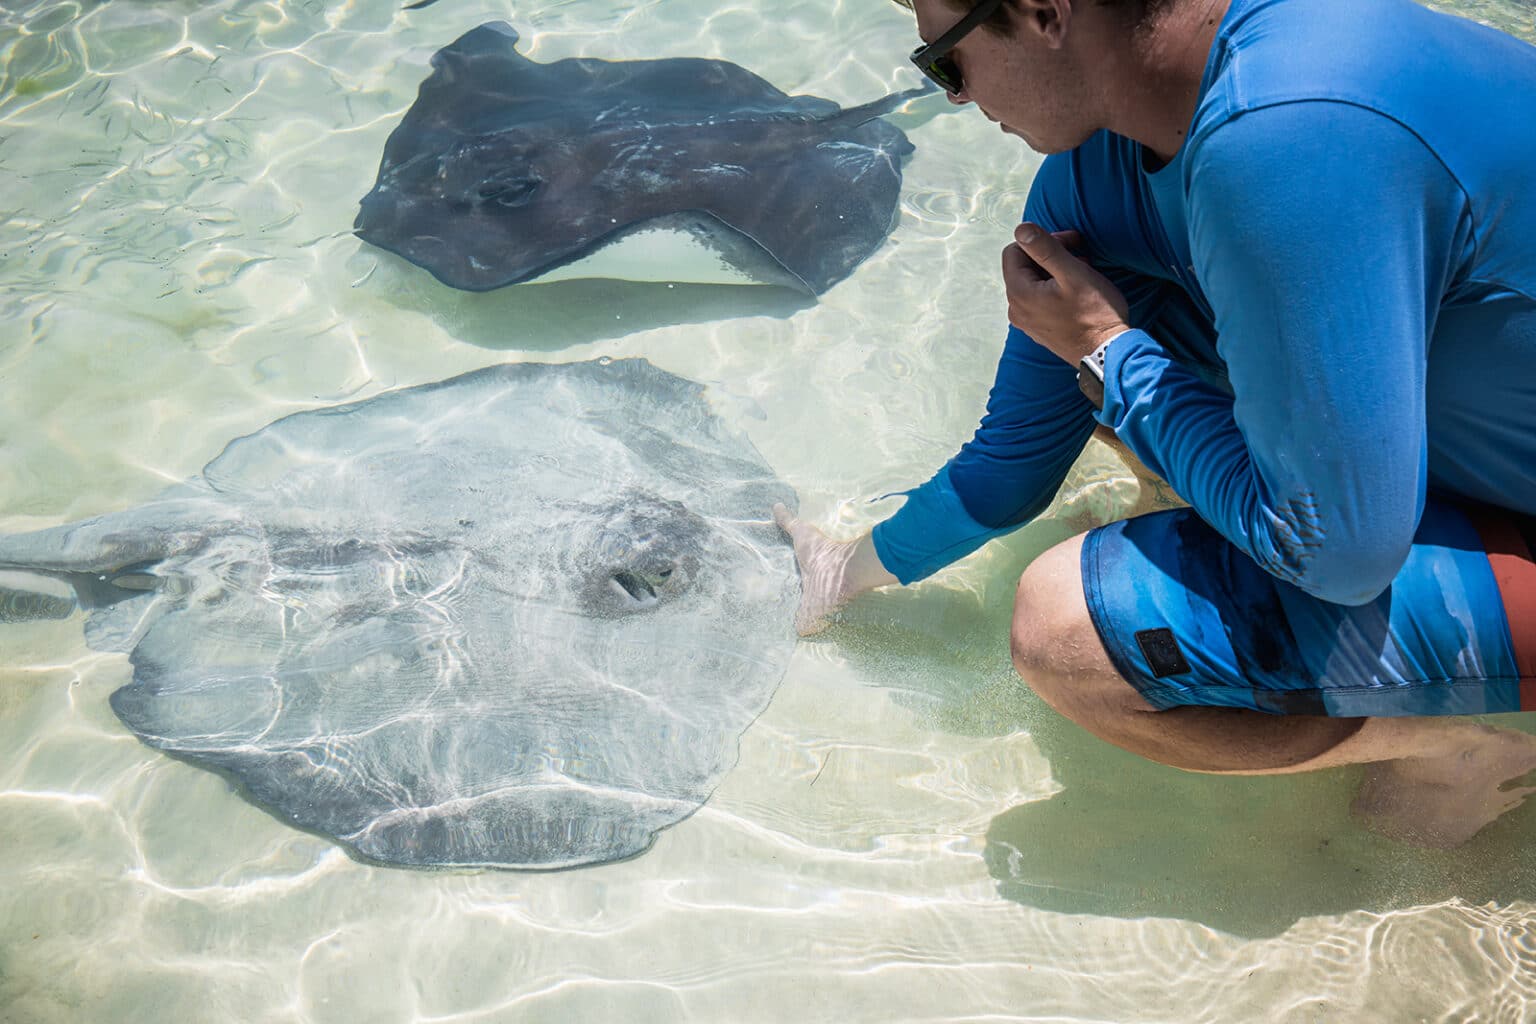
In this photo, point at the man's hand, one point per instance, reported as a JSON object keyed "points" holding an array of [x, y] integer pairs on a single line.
{"points": [[831, 572], [1057, 299]]}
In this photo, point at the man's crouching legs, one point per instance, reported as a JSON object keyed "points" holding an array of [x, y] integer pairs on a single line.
{"points": [[1432, 781], [1059, 654]]}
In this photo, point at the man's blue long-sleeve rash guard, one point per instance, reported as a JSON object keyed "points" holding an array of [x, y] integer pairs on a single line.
{"points": [[1333, 301]]}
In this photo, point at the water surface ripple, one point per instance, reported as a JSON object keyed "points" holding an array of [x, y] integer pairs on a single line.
{"points": [[909, 835]]}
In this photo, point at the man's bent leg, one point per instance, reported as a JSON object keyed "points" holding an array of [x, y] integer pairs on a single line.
{"points": [[1433, 781], [1058, 652]]}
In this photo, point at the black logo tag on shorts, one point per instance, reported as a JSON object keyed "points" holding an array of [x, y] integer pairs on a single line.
{"points": [[1162, 652]]}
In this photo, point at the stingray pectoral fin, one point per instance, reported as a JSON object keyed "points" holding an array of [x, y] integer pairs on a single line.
{"points": [[557, 825], [202, 711]]}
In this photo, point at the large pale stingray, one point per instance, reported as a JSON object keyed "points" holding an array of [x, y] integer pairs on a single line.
{"points": [[505, 169], [518, 618]]}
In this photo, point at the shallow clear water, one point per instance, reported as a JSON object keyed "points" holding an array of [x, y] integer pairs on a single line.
{"points": [[909, 835]]}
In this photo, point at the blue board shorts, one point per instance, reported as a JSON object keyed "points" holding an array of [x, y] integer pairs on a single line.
{"points": [[1189, 619]]}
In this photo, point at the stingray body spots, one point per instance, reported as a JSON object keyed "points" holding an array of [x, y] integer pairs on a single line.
{"points": [[519, 618], [506, 170]]}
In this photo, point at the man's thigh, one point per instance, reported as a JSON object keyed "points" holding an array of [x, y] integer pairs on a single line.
{"points": [[1190, 620], [1056, 649]]}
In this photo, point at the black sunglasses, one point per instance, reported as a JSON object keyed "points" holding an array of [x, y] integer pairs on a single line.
{"points": [[933, 59]]}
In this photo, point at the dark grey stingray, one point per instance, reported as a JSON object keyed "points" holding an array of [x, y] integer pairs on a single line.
{"points": [[505, 169], [519, 618]]}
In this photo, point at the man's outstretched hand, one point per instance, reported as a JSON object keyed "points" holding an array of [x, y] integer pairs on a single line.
{"points": [[1057, 299], [831, 571]]}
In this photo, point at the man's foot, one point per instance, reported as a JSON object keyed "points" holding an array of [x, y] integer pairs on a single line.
{"points": [[1442, 801]]}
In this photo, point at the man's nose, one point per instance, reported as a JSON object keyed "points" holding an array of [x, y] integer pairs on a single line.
{"points": [[959, 99]]}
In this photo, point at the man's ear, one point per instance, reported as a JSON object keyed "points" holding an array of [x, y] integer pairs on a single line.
{"points": [[1047, 20]]}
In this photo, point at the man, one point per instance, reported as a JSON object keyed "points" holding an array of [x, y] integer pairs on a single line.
{"points": [[1286, 251]]}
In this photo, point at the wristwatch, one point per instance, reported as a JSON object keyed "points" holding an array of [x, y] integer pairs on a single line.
{"points": [[1090, 375]]}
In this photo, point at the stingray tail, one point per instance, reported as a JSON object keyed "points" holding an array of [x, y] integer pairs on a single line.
{"points": [[878, 108], [100, 561]]}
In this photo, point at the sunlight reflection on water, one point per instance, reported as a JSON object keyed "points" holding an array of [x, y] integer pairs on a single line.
{"points": [[908, 834]]}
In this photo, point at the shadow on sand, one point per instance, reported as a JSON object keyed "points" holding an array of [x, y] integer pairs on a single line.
{"points": [[1129, 838], [1250, 856], [547, 317]]}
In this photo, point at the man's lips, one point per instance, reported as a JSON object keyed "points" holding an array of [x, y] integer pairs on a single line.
{"points": [[1001, 126]]}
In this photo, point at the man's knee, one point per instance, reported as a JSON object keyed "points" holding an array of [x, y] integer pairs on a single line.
{"points": [[1056, 648], [1049, 617]]}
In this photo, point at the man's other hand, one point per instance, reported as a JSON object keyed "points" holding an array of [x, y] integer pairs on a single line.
{"points": [[1057, 299]]}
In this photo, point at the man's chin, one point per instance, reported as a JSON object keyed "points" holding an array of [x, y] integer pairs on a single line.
{"points": [[1033, 143]]}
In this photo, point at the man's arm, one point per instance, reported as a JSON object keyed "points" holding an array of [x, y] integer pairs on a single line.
{"points": [[1037, 421], [1322, 234], [1035, 426]]}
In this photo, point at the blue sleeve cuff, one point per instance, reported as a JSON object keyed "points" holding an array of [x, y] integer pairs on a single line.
{"points": [[930, 531], [1120, 349]]}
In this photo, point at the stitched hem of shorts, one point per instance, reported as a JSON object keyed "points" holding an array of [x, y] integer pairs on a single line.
{"points": [[1098, 613], [1165, 697]]}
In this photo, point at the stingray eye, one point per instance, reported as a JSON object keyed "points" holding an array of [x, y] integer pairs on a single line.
{"points": [[641, 581], [641, 587], [511, 191], [646, 554]]}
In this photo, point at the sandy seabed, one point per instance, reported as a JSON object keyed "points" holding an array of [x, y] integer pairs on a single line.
{"points": [[910, 835]]}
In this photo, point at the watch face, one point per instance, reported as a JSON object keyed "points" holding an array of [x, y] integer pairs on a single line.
{"points": [[1090, 381]]}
